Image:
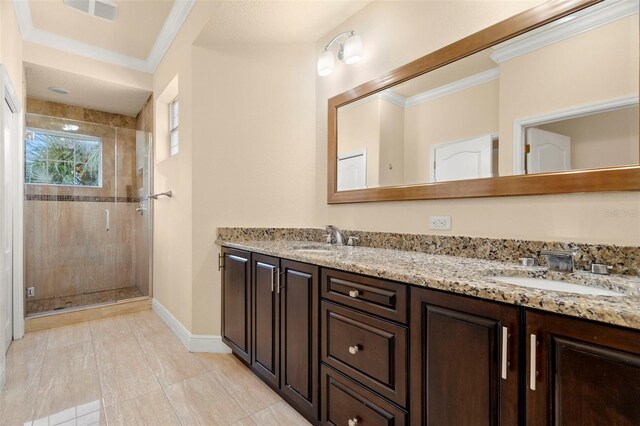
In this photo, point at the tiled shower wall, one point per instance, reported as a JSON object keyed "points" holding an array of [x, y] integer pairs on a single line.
{"points": [[67, 249]]}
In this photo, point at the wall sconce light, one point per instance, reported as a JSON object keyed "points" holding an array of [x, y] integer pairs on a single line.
{"points": [[350, 52]]}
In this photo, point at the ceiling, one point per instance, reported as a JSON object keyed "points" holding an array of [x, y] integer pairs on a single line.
{"points": [[137, 39], [132, 33], [272, 22], [84, 91]]}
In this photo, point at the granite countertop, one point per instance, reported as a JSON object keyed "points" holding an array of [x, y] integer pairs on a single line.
{"points": [[469, 277]]}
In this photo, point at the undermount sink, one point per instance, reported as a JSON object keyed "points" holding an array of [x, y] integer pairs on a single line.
{"points": [[313, 249], [562, 286]]}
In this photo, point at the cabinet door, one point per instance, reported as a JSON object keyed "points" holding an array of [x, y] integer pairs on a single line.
{"points": [[463, 360], [236, 296], [299, 335], [581, 373], [266, 333]]}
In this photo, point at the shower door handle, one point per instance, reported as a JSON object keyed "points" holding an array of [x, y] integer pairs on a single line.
{"points": [[107, 220]]}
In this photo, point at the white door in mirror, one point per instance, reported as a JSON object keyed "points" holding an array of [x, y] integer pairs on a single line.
{"points": [[352, 170], [549, 152], [467, 159]]}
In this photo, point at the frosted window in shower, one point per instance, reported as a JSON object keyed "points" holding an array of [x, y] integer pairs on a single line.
{"points": [[58, 158]]}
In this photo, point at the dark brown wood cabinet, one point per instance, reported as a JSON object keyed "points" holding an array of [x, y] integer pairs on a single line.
{"points": [[580, 372], [285, 329], [378, 352], [345, 403], [368, 349], [236, 306], [464, 368], [265, 338]]}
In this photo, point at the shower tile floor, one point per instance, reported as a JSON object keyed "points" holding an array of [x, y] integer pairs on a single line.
{"points": [[65, 302], [131, 370]]}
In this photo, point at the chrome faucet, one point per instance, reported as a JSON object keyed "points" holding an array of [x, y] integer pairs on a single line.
{"points": [[338, 233], [559, 260]]}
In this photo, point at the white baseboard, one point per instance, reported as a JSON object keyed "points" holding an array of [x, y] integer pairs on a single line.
{"points": [[193, 342]]}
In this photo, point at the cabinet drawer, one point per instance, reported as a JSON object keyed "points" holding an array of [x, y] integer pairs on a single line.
{"points": [[343, 401], [370, 350], [379, 297]]}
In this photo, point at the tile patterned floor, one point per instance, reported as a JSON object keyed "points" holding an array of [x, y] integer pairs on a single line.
{"points": [[130, 370], [55, 303]]}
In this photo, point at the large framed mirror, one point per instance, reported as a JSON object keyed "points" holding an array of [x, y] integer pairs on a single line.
{"points": [[544, 102]]}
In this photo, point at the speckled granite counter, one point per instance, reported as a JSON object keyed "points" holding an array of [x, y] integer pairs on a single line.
{"points": [[469, 277]]}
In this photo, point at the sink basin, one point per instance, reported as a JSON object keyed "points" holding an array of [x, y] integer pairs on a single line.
{"points": [[562, 286], [313, 249]]}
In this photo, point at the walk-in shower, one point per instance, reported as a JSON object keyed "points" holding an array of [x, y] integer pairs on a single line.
{"points": [[86, 211]]}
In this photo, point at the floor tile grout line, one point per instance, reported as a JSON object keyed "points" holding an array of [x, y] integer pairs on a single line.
{"points": [[222, 387], [93, 345], [144, 357], [162, 388], [37, 390]]}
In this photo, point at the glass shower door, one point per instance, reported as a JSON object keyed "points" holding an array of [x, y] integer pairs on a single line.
{"points": [[70, 184]]}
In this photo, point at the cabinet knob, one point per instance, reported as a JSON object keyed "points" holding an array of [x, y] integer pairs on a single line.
{"points": [[353, 421], [354, 293], [354, 349]]}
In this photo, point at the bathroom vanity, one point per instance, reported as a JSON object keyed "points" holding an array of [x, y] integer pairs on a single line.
{"points": [[358, 335]]}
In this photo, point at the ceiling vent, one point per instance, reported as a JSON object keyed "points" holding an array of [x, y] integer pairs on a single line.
{"points": [[104, 9]]}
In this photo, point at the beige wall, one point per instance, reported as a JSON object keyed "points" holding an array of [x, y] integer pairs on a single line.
{"points": [[391, 144], [11, 45], [397, 32], [173, 218], [253, 153], [460, 115], [576, 78]]}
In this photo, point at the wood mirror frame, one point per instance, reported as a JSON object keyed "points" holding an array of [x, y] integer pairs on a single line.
{"points": [[625, 178]]}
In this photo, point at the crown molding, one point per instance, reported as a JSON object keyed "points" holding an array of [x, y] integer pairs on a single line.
{"points": [[582, 21], [456, 86], [392, 97], [178, 14]]}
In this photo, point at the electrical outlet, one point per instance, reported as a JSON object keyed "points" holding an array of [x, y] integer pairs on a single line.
{"points": [[441, 223], [31, 292]]}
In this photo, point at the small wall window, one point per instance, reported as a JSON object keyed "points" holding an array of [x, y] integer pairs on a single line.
{"points": [[174, 121], [57, 158]]}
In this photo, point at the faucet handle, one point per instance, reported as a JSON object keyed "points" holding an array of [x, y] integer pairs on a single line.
{"points": [[601, 269], [352, 241], [327, 238]]}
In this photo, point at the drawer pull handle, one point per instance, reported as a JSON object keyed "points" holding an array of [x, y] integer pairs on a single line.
{"points": [[532, 367], [354, 293], [353, 422], [354, 349], [505, 338]]}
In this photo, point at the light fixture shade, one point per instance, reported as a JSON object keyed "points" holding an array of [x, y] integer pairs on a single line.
{"points": [[352, 49], [325, 63]]}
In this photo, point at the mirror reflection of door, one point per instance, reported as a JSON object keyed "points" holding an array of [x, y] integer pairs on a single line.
{"points": [[352, 170], [467, 159], [548, 151]]}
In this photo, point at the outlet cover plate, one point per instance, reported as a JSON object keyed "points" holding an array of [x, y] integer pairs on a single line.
{"points": [[440, 223]]}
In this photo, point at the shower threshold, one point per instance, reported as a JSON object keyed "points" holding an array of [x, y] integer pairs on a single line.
{"points": [[80, 301]]}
